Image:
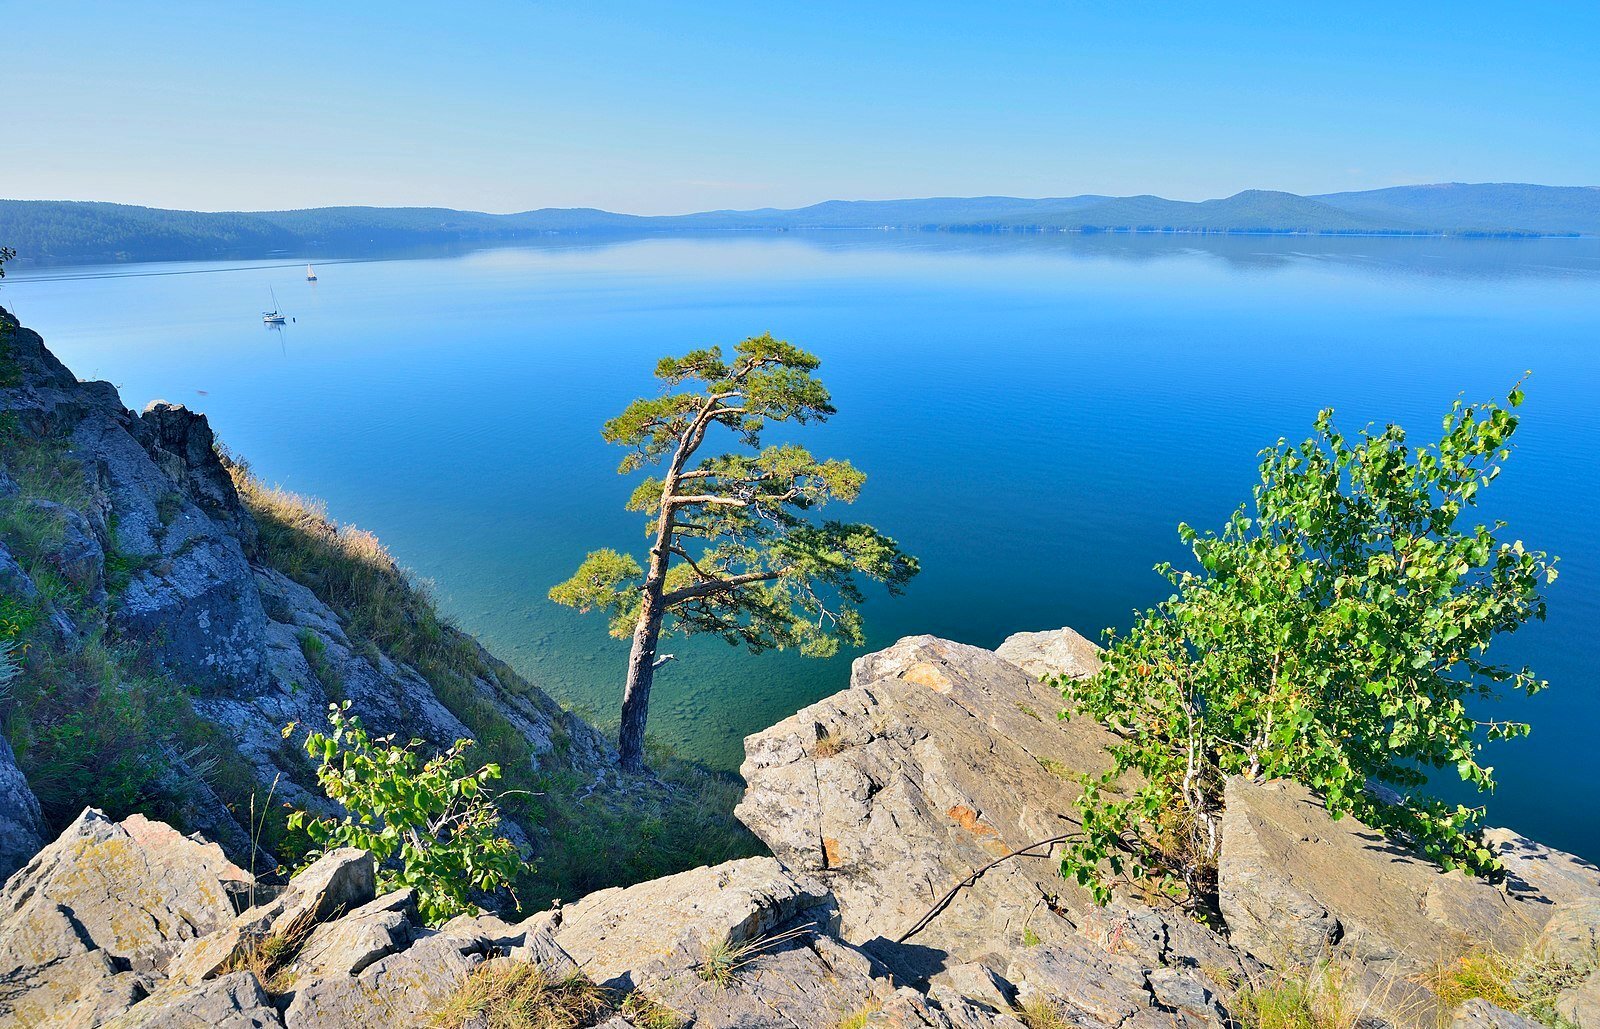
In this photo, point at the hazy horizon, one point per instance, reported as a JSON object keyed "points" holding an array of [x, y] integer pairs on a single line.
{"points": [[642, 110], [831, 199]]}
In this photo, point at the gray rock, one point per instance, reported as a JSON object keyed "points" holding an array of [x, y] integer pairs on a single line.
{"points": [[1297, 886], [201, 609], [1053, 653], [617, 935], [1542, 874], [234, 1001], [940, 758], [1478, 1013], [1106, 987], [1581, 1004], [401, 990], [85, 989], [341, 880], [348, 945], [540, 948], [135, 889], [21, 824], [1572, 936], [182, 444], [812, 982], [99, 911], [13, 578]]}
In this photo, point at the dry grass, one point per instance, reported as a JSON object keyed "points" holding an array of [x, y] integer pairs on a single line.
{"points": [[1039, 1013], [268, 958], [1055, 767], [1314, 1000], [828, 745], [723, 958], [645, 1012], [858, 1018], [506, 994], [1527, 983]]}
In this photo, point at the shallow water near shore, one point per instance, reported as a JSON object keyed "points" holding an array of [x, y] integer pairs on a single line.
{"points": [[1035, 413]]}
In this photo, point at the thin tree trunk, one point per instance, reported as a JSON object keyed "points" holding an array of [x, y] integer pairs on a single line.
{"points": [[647, 632], [641, 675]]}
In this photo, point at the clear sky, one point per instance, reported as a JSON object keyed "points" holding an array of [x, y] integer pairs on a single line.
{"points": [[655, 107]]}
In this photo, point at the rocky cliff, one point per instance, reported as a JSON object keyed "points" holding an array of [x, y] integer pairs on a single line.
{"points": [[172, 615], [887, 807]]}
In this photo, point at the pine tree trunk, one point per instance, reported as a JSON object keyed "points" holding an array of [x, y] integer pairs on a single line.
{"points": [[636, 694]]}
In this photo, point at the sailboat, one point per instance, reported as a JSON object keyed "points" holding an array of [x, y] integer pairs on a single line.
{"points": [[311, 274], [273, 317]]}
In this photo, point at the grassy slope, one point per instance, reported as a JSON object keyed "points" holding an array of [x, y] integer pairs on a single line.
{"points": [[640, 829]]}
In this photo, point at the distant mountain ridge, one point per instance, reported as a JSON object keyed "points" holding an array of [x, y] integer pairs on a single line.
{"points": [[58, 230]]}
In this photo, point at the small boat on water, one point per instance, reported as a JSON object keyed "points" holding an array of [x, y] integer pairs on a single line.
{"points": [[274, 316], [311, 274]]}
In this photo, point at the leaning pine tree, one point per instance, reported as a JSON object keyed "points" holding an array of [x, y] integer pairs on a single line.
{"points": [[732, 551]]}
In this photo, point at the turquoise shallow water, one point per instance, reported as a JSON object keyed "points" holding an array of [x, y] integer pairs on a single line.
{"points": [[1035, 414]]}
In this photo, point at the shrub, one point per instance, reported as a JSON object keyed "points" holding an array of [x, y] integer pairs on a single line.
{"points": [[431, 824], [1336, 637]]}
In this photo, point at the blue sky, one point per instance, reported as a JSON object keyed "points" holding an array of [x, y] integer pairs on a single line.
{"points": [[658, 107]]}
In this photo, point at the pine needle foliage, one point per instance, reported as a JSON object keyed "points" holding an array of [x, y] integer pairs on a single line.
{"points": [[734, 550]]}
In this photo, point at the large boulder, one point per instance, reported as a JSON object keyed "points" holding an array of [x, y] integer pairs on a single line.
{"points": [[405, 989], [98, 914], [938, 760], [1052, 653], [1298, 887], [742, 944]]}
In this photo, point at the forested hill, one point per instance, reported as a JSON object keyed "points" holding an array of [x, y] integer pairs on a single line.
{"points": [[50, 230]]}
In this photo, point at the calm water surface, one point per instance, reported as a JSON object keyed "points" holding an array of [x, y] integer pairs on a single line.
{"points": [[1036, 415]]}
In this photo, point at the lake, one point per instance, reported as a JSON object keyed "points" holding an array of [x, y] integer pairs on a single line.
{"points": [[1035, 413]]}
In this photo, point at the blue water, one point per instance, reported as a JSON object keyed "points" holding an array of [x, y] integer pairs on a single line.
{"points": [[1035, 414]]}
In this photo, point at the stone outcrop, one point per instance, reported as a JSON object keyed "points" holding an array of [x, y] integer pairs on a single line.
{"points": [[93, 915], [1050, 654], [1298, 887], [939, 759], [939, 756]]}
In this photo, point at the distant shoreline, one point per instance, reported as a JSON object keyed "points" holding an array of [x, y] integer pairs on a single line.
{"points": [[62, 231]]}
